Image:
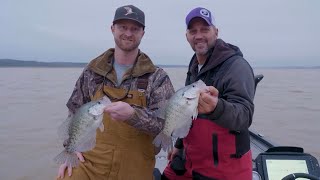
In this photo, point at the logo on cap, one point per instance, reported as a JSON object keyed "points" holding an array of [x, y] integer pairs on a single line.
{"points": [[129, 10], [204, 12]]}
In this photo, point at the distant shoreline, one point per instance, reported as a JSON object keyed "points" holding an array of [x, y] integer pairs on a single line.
{"points": [[7, 63], [11, 63]]}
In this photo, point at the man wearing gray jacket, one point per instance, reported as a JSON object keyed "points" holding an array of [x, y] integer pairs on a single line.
{"points": [[218, 143]]}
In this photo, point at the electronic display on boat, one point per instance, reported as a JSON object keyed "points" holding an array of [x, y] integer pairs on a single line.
{"points": [[279, 168], [275, 166]]}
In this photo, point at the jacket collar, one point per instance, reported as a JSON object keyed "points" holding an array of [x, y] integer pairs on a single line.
{"points": [[103, 64], [217, 55]]}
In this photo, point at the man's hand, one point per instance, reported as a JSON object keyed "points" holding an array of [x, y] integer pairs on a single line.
{"points": [[172, 153], [208, 100], [63, 167], [120, 111]]}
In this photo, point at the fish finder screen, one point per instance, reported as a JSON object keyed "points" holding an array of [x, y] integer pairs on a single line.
{"points": [[278, 169]]}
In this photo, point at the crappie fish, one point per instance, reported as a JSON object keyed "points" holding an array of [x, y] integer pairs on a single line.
{"points": [[79, 131], [179, 112]]}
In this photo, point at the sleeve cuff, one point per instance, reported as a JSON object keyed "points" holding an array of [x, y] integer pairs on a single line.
{"points": [[132, 120]]}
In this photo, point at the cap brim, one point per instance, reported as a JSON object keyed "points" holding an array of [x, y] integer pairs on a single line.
{"points": [[127, 18], [206, 20]]}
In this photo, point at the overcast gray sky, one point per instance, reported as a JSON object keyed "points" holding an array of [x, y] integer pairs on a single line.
{"points": [[269, 33]]}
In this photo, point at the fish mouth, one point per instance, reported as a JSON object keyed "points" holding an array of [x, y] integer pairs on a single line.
{"points": [[190, 98], [189, 95], [96, 110]]}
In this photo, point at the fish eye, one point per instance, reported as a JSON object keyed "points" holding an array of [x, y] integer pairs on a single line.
{"points": [[193, 86], [99, 102]]}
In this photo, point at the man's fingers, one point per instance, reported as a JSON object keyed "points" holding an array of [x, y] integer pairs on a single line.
{"points": [[112, 107], [62, 168], [80, 156], [200, 104], [169, 155], [205, 90], [201, 110], [69, 170], [213, 91]]}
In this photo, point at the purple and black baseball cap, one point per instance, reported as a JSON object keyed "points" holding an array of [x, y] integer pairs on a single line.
{"points": [[202, 13]]}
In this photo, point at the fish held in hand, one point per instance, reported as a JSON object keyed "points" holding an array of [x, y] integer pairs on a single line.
{"points": [[79, 131], [179, 112]]}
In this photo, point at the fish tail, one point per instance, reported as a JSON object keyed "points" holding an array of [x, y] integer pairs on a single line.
{"points": [[70, 159], [164, 141]]}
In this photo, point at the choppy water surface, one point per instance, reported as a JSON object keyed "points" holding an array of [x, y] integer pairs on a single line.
{"points": [[32, 105]]}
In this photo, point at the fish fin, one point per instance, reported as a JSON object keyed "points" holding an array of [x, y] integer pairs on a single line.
{"points": [[106, 100], [87, 143], [160, 113], [160, 109], [63, 129], [160, 104], [182, 131], [164, 141], [101, 127], [70, 159], [195, 113]]}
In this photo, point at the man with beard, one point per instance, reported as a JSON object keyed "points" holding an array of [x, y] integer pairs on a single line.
{"points": [[124, 150], [218, 144]]}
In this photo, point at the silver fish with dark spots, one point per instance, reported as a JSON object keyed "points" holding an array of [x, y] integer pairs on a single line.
{"points": [[79, 131], [179, 112]]}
